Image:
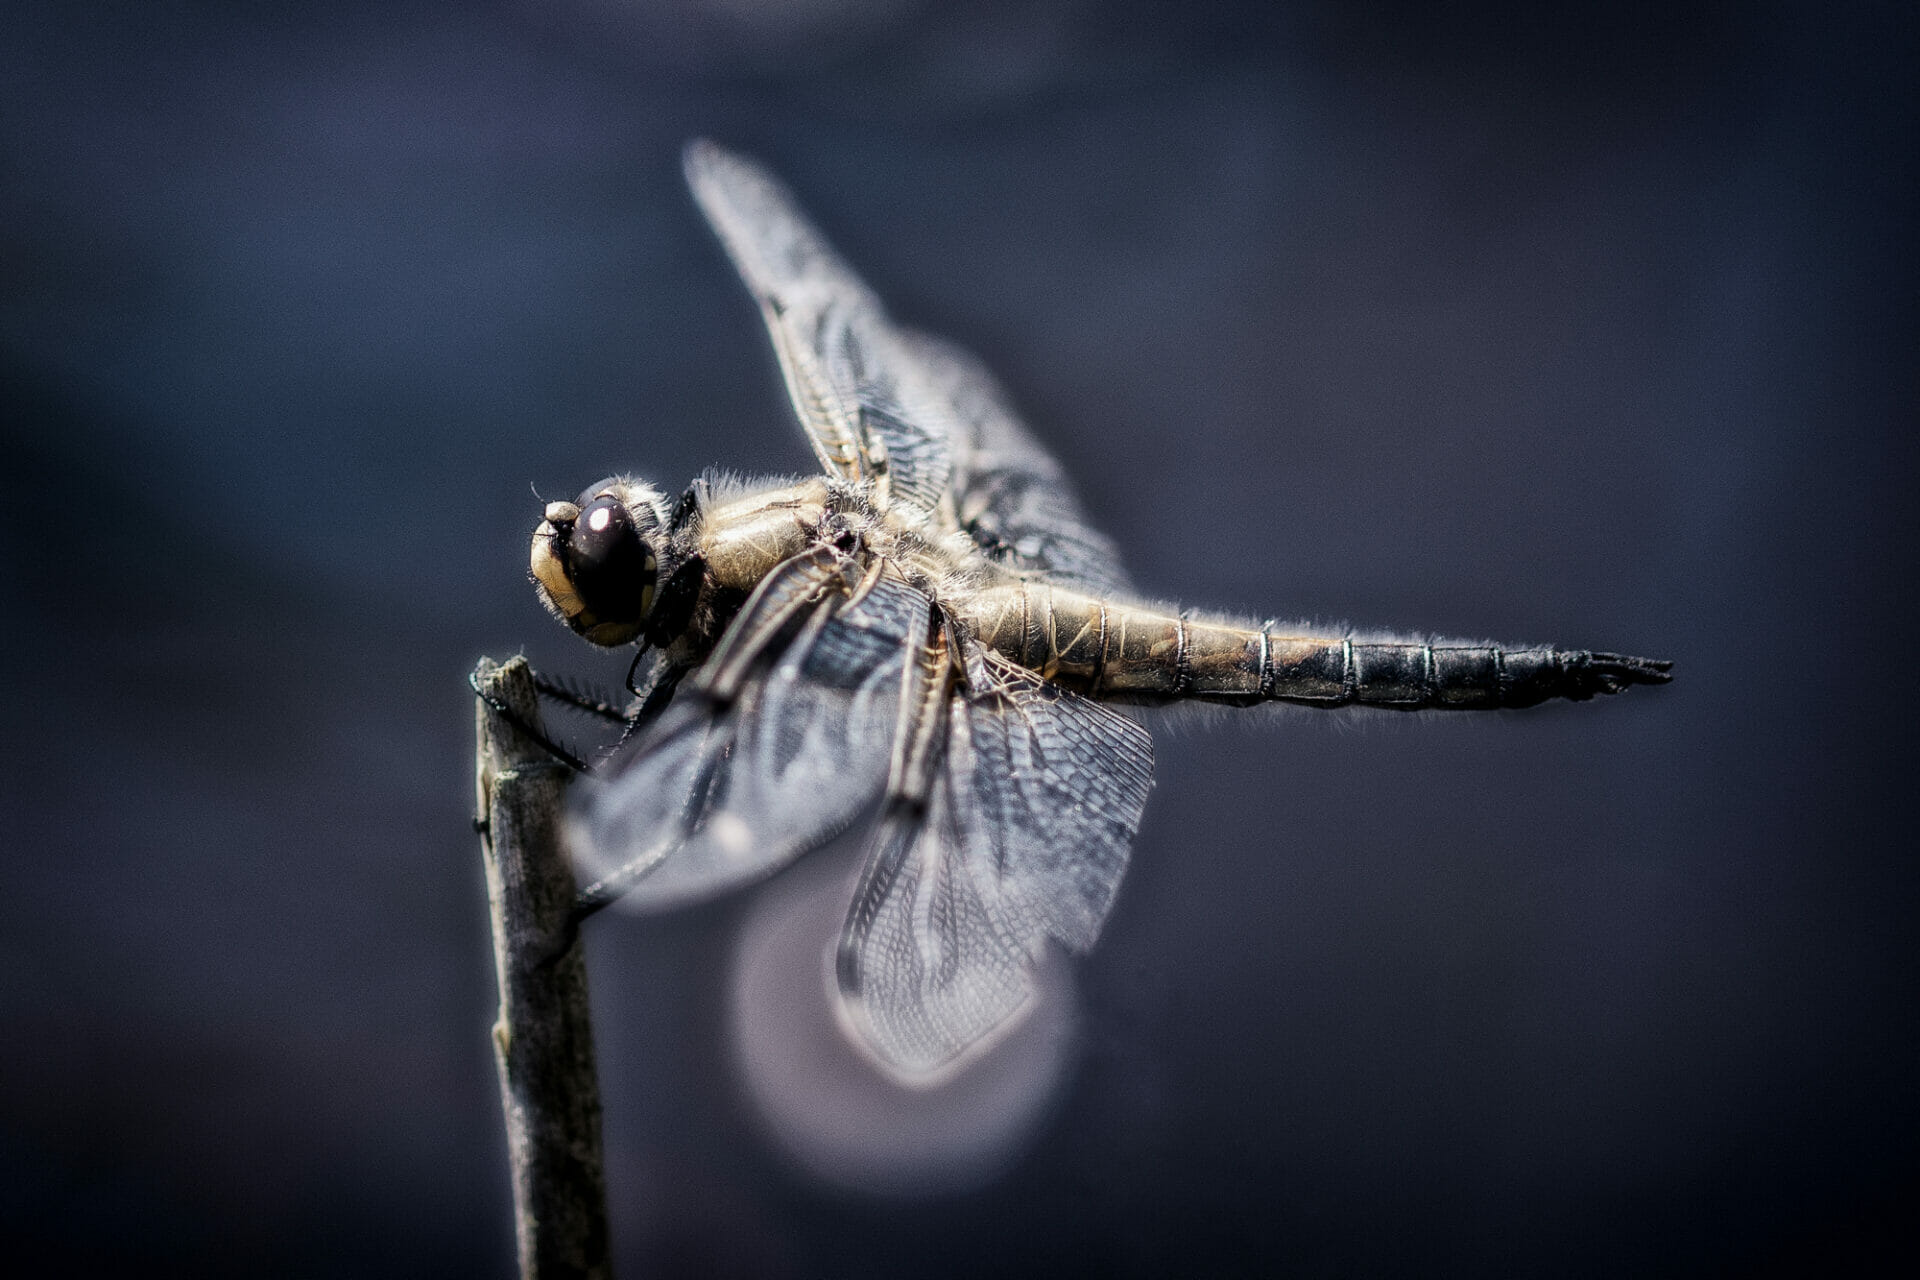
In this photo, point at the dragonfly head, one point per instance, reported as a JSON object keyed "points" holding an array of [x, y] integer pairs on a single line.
{"points": [[595, 562]]}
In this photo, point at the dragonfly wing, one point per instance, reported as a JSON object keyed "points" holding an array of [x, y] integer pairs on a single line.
{"points": [[721, 793], [1010, 494], [915, 415], [858, 393], [1022, 836]]}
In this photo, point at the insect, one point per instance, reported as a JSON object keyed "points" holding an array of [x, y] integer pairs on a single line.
{"points": [[928, 636]]}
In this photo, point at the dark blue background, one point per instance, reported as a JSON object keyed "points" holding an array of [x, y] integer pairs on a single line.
{"points": [[1594, 328]]}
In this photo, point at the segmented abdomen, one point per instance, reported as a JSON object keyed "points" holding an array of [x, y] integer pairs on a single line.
{"points": [[1124, 652]]}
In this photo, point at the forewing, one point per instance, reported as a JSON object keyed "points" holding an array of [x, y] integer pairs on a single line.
{"points": [[1023, 837], [857, 392], [718, 794], [1009, 492]]}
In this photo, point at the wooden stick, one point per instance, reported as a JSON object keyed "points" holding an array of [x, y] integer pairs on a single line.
{"points": [[543, 1041]]}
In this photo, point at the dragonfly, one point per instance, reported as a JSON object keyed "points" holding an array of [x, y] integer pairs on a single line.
{"points": [[927, 637]]}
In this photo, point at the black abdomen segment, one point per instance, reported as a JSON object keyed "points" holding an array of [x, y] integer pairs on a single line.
{"points": [[1441, 675], [1127, 653]]}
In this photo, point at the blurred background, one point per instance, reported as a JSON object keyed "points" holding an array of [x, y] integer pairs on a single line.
{"points": [[1595, 329]]}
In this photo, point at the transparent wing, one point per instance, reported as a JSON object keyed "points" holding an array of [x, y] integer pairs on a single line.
{"points": [[718, 794], [915, 415], [858, 394], [1009, 492], [1021, 836]]}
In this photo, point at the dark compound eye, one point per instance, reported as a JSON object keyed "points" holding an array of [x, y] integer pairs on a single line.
{"points": [[610, 564]]}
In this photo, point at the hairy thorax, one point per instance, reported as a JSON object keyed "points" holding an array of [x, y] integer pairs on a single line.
{"points": [[745, 536]]}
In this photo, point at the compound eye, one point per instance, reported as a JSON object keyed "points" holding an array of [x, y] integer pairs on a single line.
{"points": [[610, 564], [602, 532]]}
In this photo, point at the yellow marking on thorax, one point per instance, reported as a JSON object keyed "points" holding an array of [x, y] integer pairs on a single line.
{"points": [[743, 540]]}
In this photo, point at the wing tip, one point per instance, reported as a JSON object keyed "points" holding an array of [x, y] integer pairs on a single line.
{"points": [[914, 1067], [701, 154], [702, 161], [710, 168], [917, 1048]]}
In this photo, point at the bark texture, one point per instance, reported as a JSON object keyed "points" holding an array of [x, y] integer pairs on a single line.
{"points": [[543, 1040]]}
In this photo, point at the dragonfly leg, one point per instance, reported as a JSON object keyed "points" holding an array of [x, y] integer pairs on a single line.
{"points": [[654, 695], [534, 734], [583, 698]]}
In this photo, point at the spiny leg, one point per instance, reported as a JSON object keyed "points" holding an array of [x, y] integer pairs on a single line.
{"points": [[512, 717], [583, 698]]}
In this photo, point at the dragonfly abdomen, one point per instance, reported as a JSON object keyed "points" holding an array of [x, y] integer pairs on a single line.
{"points": [[1124, 652]]}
